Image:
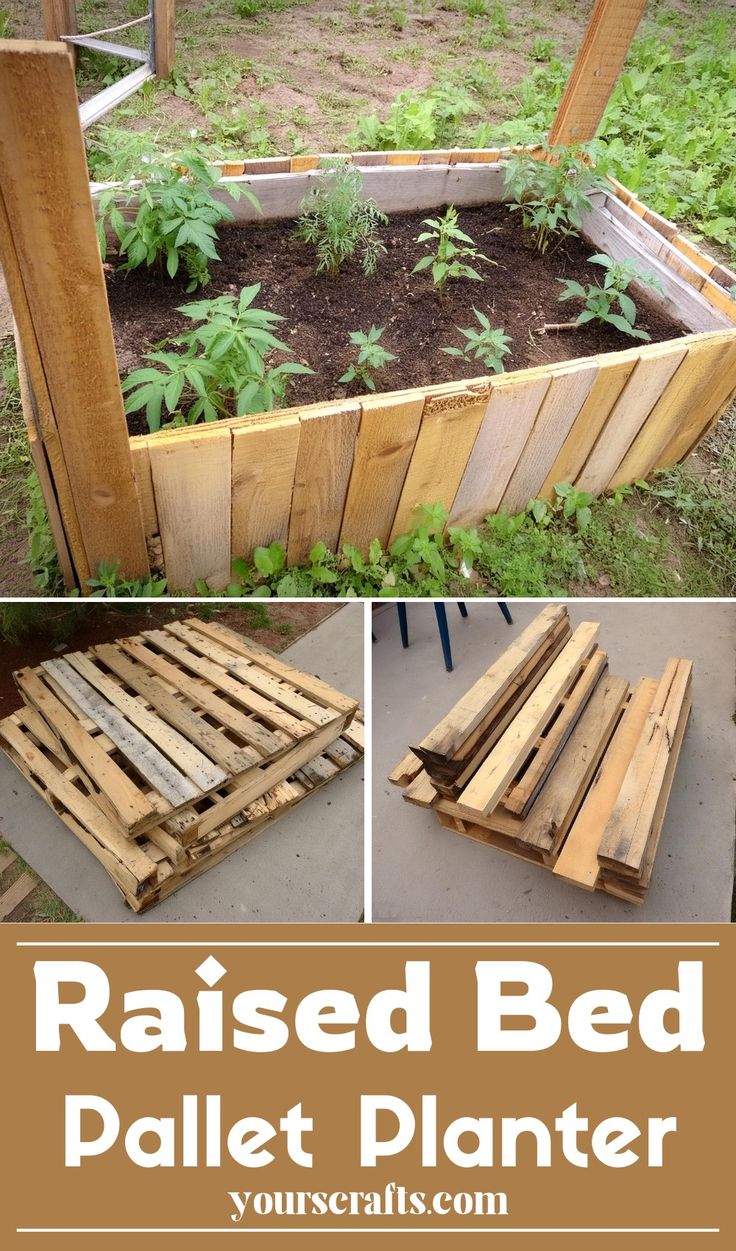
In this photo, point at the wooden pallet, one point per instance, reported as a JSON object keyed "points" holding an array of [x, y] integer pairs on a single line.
{"points": [[190, 719], [154, 864], [578, 779]]}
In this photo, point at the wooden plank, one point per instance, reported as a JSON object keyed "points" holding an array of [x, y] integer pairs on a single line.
{"points": [[145, 757], [406, 770], [60, 18], [6, 859], [164, 37], [50, 215], [386, 438], [212, 743], [700, 389], [318, 690], [613, 374], [626, 836], [524, 792], [133, 808], [263, 467], [324, 462], [601, 57], [578, 860], [144, 486], [420, 791], [467, 714], [512, 410], [488, 785], [561, 796], [664, 795], [652, 373], [448, 430], [564, 399], [15, 894], [191, 481]]}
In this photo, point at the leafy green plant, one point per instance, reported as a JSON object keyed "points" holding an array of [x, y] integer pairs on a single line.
{"points": [[340, 220], [543, 49], [551, 193], [488, 345], [110, 585], [477, 8], [175, 216], [372, 356], [600, 301], [451, 245], [416, 120], [218, 369]]}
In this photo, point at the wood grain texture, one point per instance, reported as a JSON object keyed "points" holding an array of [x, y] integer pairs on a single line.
{"points": [[598, 64], [692, 423], [564, 399], [263, 468], [652, 373], [446, 436], [324, 463], [386, 438], [164, 36], [507, 423], [50, 216], [191, 482], [144, 486]]}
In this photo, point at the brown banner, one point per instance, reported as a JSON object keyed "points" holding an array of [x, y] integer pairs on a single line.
{"points": [[356, 1080]]}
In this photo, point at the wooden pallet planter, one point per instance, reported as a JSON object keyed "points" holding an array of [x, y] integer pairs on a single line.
{"points": [[344, 471], [578, 781], [165, 750]]}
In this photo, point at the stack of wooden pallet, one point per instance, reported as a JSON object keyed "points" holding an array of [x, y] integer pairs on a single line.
{"points": [[166, 751], [552, 759]]}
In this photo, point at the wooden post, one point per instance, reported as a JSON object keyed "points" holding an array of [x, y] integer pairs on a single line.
{"points": [[164, 37], [48, 247], [60, 18], [598, 65]]}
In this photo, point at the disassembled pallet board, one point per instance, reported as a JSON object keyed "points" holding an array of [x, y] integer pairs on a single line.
{"points": [[550, 758], [165, 751]]}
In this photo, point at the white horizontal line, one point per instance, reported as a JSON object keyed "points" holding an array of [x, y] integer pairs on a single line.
{"points": [[407, 942], [375, 1229]]}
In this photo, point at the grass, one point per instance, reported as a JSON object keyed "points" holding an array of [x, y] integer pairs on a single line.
{"points": [[42, 905]]}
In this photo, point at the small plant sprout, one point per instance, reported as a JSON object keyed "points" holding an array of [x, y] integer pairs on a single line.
{"points": [[551, 193], [371, 357], [219, 369], [340, 220], [451, 245], [600, 301], [487, 345]]}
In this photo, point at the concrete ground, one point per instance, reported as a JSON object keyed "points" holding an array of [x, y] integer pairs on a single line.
{"points": [[422, 872], [306, 867]]}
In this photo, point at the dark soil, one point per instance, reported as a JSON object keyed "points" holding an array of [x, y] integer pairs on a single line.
{"points": [[78, 627], [521, 293]]}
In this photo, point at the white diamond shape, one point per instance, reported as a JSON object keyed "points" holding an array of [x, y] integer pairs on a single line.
{"points": [[210, 970]]}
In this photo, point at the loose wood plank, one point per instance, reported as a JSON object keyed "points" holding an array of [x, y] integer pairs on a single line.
{"points": [[324, 463], [191, 481], [16, 893], [133, 808], [386, 438], [263, 468], [488, 785], [406, 770], [578, 860], [601, 57]]}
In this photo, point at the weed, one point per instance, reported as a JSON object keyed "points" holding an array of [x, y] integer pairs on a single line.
{"points": [[110, 585], [487, 345], [551, 193], [222, 370], [477, 8], [340, 220], [600, 300], [451, 244], [372, 357], [543, 49], [416, 120], [175, 218]]}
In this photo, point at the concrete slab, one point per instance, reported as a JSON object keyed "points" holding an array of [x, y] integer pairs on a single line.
{"points": [[306, 867], [424, 873]]}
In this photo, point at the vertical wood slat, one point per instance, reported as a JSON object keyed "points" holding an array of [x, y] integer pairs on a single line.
{"points": [[561, 405], [144, 486], [507, 423], [263, 468], [651, 375], [599, 62], [686, 404], [324, 461], [164, 36], [386, 439], [448, 430], [60, 18], [49, 211], [191, 481]]}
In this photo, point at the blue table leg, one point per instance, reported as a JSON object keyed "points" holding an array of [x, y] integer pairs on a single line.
{"points": [[403, 624], [462, 608], [505, 610], [441, 612]]}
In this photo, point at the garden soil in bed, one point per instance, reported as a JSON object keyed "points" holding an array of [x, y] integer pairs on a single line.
{"points": [[520, 292]]}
